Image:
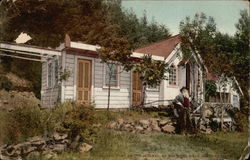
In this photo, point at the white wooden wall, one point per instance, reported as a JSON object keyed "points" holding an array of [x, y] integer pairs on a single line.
{"points": [[120, 96], [50, 96]]}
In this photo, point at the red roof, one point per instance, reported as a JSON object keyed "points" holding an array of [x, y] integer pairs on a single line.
{"points": [[161, 48]]}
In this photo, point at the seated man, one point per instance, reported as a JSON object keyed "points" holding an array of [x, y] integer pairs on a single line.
{"points": [[182, 105]]}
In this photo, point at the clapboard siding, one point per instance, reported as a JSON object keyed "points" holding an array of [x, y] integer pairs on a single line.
{"points": [[152, 96], [119, 97]]}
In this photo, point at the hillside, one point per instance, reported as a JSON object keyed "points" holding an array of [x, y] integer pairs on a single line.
{"points": [[15, 92]]}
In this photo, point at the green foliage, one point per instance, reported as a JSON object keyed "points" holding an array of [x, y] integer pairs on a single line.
{"points": [[5, 83], [23, 123], [64, 75], [138, 31], [242, 58], [79, 121], [210, 89], [29, 121], [222, 54], [152, 71]]}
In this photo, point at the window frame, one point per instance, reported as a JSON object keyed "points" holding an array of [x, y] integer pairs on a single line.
{"points": [[52, 80], [176, 75], [105, 84]]}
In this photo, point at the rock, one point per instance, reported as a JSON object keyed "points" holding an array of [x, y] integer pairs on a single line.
{"points": [[111, 125], [156, 128], [27, 150], [168, 129], [58, 148], [139, 129], [155, 125], [153, 121], [120, 121], [85, 147], [127, 127], [163, 122], [144, 123], [59, 136], [202, 128]]}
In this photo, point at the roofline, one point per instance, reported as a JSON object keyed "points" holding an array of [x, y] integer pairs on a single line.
{"points": [[158, 41], [7, 46], [89, 47], [238, 86], [28, 46]]}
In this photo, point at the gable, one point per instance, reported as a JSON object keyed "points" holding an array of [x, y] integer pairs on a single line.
{"points": [[162, 48]]}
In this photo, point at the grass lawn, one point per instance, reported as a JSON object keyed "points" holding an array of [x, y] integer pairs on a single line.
{"points": [[114, 145]]}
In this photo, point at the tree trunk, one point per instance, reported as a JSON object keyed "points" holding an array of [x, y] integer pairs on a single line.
{"points": [[222, 112], [110, 74], [143, 95]]}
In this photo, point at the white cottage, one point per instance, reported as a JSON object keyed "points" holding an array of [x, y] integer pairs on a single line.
{"points": [[87, 82]]}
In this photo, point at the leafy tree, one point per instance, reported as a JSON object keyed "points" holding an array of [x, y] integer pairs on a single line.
{"points": [[138, 31], [151, 72], [200, 37], [115, 52], [242, 58]]}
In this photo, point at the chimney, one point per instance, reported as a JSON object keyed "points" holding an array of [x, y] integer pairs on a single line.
{"points": [[67, 40]]}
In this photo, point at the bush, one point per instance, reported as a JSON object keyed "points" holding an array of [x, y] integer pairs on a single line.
{"points": [[30, 121], [24, 122], [5, 83], [78, 121]]}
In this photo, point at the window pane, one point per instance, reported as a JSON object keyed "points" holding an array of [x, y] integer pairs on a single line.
{"points": [[172, 75], [111, 74], [49, 75]]}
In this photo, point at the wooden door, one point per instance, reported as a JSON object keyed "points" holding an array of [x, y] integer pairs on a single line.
{"points": [[137, 89], [83, 81]]}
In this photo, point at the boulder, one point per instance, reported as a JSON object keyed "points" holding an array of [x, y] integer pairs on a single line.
{"points": [[112, 125], [127, 127], [156, 128], [163, 122], [139, 129], [144, 123], [58, 148], [168, 129], [59, 136], [85, 147]]}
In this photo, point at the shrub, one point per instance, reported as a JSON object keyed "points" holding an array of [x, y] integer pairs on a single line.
{"points": [[24, 122], [5, 83], [78, 121], [30, 121]]}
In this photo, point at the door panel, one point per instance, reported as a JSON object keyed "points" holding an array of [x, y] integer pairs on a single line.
{"points": [[137, 86], [83, 81]]}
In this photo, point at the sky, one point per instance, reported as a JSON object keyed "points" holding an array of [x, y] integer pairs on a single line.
{"points": [[170, 12]]}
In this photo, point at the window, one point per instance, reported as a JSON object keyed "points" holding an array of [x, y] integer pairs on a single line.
{"points": [[56, 71], [52, 73], [111, 77], [172, 75]]}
